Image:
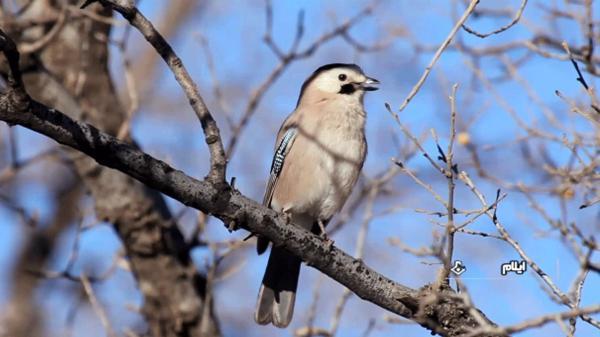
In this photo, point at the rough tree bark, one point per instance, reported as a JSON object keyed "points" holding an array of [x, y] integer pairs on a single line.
{"points": [[71, 74]]}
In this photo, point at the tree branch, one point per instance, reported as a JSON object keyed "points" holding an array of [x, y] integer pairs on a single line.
{"points": [[444, 315], [212, 136]]}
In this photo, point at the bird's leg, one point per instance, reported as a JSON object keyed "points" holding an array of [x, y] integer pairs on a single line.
{"points": [[323, 234], [232, 227], [287, 214]]}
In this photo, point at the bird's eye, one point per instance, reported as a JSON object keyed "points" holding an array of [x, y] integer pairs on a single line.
{"points": [[342, 77]]}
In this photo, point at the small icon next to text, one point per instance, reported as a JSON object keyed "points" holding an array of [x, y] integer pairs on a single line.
{"points": [[458, 268]]}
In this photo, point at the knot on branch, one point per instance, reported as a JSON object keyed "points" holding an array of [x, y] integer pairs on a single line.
{"points": [[446, 312], [211, 139]]}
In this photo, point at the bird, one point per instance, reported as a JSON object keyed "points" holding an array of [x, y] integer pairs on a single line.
{"points": [[320, 150]]}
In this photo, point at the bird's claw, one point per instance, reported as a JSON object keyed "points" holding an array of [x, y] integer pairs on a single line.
{"points": [[287, 216], [232, 227], [328, 242], [324, 236]]}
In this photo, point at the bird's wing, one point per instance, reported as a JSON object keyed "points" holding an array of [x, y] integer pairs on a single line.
{"points": [[283, 148]]}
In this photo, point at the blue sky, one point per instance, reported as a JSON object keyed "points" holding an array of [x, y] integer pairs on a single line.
{"points": [[234, 30]]}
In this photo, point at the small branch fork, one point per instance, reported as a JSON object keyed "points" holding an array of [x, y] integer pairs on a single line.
{"points": [[218, 160], [437, 55], [589, 90], [501, 29]]}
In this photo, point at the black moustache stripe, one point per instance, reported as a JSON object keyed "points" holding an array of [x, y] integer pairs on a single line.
{"points": [[347, 89]]}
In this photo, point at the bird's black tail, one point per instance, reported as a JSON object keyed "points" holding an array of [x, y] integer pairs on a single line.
{"points": [[277, 293]]}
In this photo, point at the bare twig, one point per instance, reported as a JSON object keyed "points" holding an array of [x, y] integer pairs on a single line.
{"points": [[536, 322], [516, 19], [87, 286], [42, 42], [125, 129], [450, 176], [437, 55]]}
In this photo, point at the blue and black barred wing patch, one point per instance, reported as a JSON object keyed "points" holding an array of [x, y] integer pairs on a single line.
{"points": [[277, 165]]}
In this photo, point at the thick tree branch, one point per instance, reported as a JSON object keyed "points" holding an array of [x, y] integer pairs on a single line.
{"points": [[445, 315], [223, 203]]}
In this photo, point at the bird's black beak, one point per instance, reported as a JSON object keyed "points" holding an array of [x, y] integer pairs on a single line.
{"points": [[370, 84]]}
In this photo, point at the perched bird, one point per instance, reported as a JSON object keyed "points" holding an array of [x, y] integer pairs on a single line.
{"points": [[319, 152]]}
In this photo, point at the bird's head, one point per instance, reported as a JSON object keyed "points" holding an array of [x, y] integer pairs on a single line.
{"points": [[343, 79]]}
